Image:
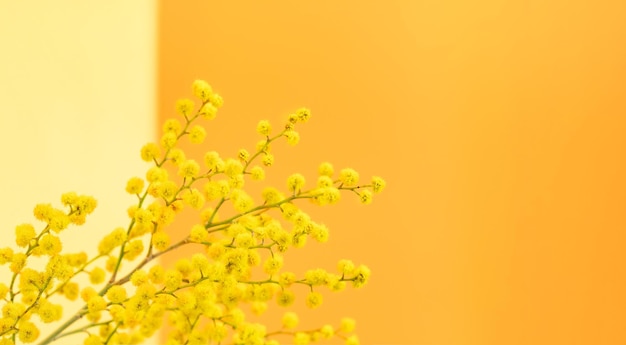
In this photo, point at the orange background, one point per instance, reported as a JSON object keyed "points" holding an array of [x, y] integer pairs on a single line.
{"points": [[499, 126]]}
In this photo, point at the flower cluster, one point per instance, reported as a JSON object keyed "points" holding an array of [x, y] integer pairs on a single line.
{"points": [[201, 296]]}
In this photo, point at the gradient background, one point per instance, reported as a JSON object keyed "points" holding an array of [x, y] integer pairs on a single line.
{"points": [[499, 126]]}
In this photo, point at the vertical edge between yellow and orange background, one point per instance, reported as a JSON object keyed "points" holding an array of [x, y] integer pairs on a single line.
{"points": [[499, 126]]}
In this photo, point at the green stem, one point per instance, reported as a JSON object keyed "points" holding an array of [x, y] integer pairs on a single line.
{"points": [[262, 207], [258, 153], [219, 204], [82, 329], [82, 269], [111, 335], [130, 227], [52, 337], [148, 259]]}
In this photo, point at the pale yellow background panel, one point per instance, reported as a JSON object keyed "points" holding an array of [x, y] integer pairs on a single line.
{"points": [[76, 104]]}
